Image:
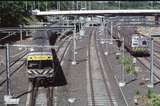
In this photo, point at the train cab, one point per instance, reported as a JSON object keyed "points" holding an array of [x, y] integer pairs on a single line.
{"points": [[40, 65]]}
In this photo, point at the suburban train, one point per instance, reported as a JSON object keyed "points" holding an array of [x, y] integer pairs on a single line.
{"points": [[39, 61], [136, 43]]}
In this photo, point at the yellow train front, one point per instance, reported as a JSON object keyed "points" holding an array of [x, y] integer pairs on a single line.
{"points": [[39, 60], [40, 66]]}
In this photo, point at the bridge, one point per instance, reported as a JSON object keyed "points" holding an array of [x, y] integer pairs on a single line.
{"points": [[146, 12]]}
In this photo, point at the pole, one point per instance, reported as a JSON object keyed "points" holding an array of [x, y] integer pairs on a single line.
{"points": [[46, 5], [20, 33], [77, 5], [119, 2], [85, 5], [38, 5], [26, 5], [74, 45], [106, 53], [111, 32], [123, 80], [151, 85], [58, 5], [8, 70], [20, 36], [122, 83]]}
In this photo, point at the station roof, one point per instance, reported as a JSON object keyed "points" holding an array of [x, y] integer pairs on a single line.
{"points": [[99, 12]]}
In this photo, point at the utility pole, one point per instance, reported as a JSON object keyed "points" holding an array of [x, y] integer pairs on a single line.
{"points": [[26, 5], [77, 5], [38, 5], [122, 83], [106, 52], [74, 45], [151, 85], [20, 32], [20, 36], [119, 4], [8, 70], [58, 5], [86, 5], [90, 5], [46, 5], [111, 32]]}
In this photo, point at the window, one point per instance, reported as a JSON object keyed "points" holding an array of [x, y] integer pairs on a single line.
{"points": [[44, 64], [144, 42]]}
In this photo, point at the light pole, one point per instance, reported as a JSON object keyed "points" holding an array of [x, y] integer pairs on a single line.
{"points": [[151, 85], [46, 5], [74, 45], [119, 4], [20, 36], [106, 52], [122, 83], [111, 32], [8, 69], [58, 5]]}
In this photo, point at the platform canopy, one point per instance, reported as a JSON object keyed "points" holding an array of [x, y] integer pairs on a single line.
{"points": [[151, 12]]}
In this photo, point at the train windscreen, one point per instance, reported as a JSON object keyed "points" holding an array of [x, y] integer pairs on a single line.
{"points": [[43, 64]]}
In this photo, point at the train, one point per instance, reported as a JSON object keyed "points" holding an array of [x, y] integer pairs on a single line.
{"points": [[135, 43], [40, 61]]}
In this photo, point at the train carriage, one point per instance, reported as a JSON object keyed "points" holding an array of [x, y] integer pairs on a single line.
{"points": [[135, 43], [40, 60]]}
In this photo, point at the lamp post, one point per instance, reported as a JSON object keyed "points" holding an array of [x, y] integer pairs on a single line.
{"points": [[151, 84], [74, 45], [8, 69], [106, 52], [20, 36], [111, 32]]}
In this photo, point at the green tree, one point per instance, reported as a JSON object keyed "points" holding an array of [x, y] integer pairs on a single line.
{"points": [[153, 98], [128, 66]]}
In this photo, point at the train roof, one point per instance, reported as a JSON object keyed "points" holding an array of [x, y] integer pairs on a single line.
{"points": [[39, 53], [41, 38]]}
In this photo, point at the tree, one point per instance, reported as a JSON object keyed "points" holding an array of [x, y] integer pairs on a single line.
{"points": [[128, 66], [153, 98]]}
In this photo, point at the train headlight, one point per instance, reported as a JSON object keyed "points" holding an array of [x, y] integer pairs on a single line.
{"points": [[117, 55], [31, 49]]}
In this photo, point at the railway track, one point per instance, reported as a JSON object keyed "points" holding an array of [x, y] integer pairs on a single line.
{"points": [[48, 90], [14, 69], [35, 99], [142, 61], [15, 60], [98, 97], [118, 94]]}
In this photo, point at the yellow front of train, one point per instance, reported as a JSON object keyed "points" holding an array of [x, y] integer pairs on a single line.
{"points": [[40, 66]]}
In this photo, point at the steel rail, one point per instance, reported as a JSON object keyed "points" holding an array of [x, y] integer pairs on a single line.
{"points": [[49, 96], [33, 95], [1, 83], [14, 62], [90, 71], [103, 73]]}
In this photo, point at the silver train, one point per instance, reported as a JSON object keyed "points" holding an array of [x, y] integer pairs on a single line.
{"points": [[134, 42]]}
